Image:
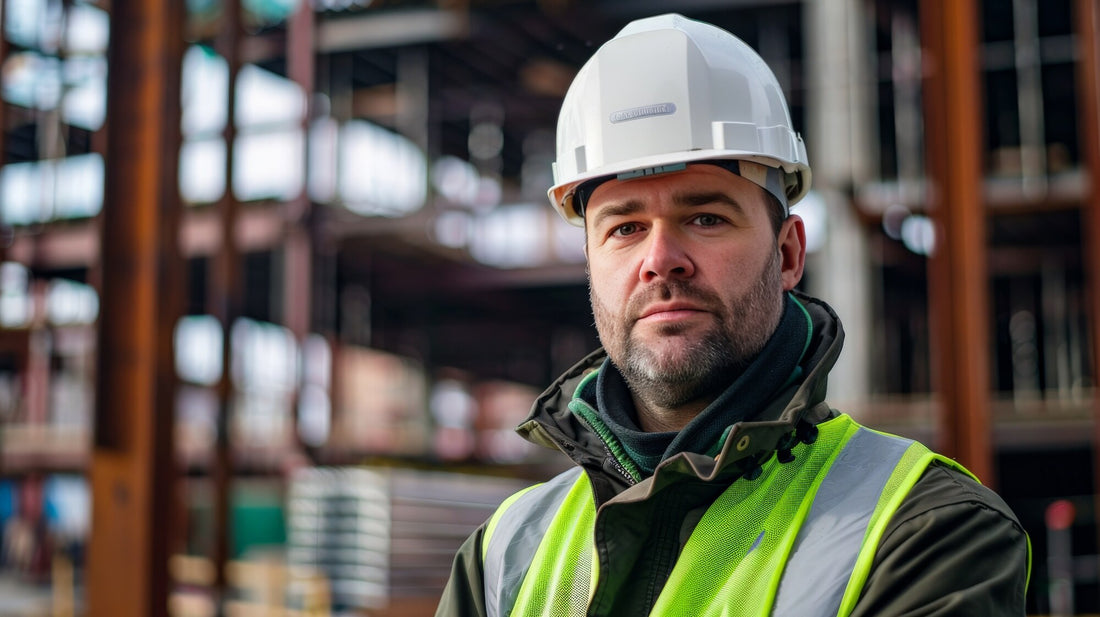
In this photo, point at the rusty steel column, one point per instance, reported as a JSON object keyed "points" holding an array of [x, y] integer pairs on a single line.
{"points": [[301, 225], [132, 471], [5, 48], [298, 250], [1087, 18], [225, 304], [958, 285]]}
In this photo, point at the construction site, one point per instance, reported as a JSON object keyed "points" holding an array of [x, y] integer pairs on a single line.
{"points": [[278, 278]]}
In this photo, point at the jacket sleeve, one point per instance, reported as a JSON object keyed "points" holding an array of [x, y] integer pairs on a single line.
{"points": [[464, 595], [953, 549]]}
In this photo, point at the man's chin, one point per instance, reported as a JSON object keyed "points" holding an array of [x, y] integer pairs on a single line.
{"points": [[667, 358], [679, 344]]}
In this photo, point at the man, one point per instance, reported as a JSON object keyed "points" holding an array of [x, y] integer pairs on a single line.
{"points": [[711, 477]]}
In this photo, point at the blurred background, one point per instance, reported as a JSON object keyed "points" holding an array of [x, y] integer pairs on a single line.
{"points": [[279, 277]]}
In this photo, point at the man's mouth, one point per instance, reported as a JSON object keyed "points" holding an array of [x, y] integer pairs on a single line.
{"points": [[672, 311]]}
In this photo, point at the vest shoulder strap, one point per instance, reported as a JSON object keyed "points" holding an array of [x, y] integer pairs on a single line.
{"points": [[510, 541], [862, 489]]}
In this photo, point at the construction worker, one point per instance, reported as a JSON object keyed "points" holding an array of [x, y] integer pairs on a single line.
{"points": [[711, 477]]}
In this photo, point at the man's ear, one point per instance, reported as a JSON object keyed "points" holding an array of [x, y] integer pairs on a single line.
{"points": [[792, 250]]}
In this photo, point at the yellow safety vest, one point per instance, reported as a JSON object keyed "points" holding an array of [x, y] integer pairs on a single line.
{"points": [[797, 541]]}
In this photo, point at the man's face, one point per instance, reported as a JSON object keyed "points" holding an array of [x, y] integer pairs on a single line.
{"points": [[687, 278]]}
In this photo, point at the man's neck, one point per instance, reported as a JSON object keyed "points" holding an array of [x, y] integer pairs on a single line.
{"points": [[655, 419]]}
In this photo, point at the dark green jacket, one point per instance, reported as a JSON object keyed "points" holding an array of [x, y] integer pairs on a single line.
{"points": [[953, 547]]}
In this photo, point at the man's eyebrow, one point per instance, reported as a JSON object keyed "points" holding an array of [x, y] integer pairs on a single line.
{"points": [[684, 199], [619, 208], [702, 198]]}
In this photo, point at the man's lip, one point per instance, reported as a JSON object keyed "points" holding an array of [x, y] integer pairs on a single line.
{"points": [[668, 309]]}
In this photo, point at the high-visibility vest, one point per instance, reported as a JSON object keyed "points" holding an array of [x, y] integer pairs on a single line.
{"points": [[798, 541]]}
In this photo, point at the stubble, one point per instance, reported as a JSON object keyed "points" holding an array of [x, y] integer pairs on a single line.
{"points": [[685, 368]]}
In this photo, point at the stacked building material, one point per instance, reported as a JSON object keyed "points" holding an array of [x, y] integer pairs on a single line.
{"points": [[385, 536]]}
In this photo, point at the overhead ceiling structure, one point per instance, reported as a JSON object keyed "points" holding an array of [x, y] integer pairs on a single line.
{"points": [[508, 62], [478, 81], [483, 82]]}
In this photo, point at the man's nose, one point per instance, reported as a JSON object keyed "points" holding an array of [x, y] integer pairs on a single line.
{"points": [[666, 256]]}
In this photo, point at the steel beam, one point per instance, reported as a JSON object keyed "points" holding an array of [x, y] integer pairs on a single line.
{"points": [[226, 300], [298, 246], [381, 29], [958, 286], [4, 50], [1087, 19], [300, 218], [132, 473]]}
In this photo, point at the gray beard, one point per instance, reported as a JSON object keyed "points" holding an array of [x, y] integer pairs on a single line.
{"points": [[717, 358]]}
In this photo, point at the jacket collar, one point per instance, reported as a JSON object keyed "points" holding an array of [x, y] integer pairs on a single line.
{"points": [[748, 443]]}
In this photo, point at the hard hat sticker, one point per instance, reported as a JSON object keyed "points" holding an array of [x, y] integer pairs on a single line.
{"points": [[645, 111]]}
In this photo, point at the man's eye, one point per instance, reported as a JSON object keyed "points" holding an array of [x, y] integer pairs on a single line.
{"points": [[625, 229], [707, 220]]}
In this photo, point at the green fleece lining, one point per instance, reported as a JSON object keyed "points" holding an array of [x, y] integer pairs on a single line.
{"points": [[809, 324], [585, 412], [796, 374], [717, 447]]}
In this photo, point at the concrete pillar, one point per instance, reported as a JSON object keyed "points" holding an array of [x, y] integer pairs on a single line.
{"points": [[838, 128]]}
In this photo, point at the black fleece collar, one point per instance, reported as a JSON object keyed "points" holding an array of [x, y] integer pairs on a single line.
{"points": [[775, 367]]}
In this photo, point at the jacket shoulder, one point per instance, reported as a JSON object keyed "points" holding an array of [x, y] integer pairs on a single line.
{"points": [[952, 548], [941, 487]]}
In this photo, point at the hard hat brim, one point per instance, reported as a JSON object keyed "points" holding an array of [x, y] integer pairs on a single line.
{"points": [[561, 195]]}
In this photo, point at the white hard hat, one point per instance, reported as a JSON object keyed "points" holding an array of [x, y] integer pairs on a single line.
{"points": [[667, 91]]}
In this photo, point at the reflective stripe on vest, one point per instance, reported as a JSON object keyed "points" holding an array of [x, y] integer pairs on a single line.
{"points": [[834, 530], [829, 550], [516, 537]]}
